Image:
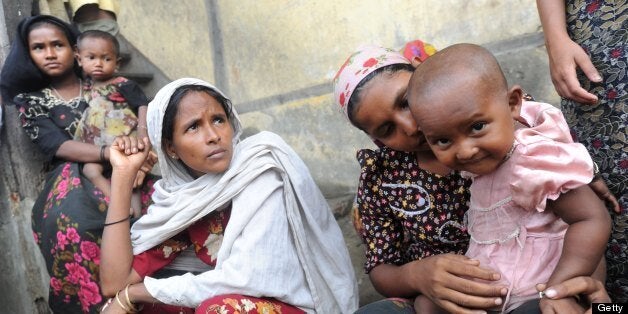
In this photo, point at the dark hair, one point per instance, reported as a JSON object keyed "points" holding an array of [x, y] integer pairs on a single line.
{"points": [[167, 129], [19, 73], [99, 35], [70, 32], [355, 97]]}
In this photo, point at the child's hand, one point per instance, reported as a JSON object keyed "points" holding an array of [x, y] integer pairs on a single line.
{"points": [[128, 154], [139, 178], [150, 162], [599, 187], [147, 166], [558, 306]]}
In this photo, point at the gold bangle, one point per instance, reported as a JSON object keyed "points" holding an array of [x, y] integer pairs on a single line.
{"points": [[128, 300], [120, 303]]}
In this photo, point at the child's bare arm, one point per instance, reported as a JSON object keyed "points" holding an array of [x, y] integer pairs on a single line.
{"points": [[601, 189], [586, 237], [142, 131]]}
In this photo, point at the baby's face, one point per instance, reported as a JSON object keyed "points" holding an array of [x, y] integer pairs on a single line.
{"points": [[472, 131], [98, 59]]}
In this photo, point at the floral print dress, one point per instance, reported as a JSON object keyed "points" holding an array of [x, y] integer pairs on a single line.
{"points": [[405, 213], [599, 26], [111, 112], [68, 215]]}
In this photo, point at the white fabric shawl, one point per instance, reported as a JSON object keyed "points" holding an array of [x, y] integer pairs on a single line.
{"points": [[281, 241]]}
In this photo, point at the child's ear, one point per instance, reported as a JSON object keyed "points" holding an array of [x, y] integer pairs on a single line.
{"points": [[77, 56], [515, 99]]}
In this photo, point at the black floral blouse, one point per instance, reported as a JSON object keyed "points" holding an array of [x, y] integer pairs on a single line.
{"points": [[405, 213], [49, 121]]}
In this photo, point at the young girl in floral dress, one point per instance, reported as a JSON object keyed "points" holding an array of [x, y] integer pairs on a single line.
{"points": [[68, 215]]}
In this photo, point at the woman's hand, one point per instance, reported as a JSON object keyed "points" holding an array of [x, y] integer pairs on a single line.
{"points": [[565, 56], [128, 153], [593, 290], [447, 280]]}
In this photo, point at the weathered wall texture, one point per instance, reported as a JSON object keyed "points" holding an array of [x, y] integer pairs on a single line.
{"points": [[276, 59]]}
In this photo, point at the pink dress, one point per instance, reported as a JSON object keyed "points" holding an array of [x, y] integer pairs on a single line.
{"points": [[510, 231]]}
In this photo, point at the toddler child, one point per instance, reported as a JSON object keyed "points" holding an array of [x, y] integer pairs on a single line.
{"points": [[529, 193], [117, 106]]}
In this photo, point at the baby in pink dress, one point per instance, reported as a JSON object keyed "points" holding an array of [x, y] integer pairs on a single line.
{"points": [[532, 216]]}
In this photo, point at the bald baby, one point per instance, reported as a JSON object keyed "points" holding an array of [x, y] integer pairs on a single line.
{"points": [[461, 93], [456, 68]]}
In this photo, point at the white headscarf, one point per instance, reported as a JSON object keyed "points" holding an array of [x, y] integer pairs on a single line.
{"points": [[328, 282]]}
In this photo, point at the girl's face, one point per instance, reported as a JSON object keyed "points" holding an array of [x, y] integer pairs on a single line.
{"points": [[50, 50], [202, 135], [97, 57], [471, 131], [383, 113]]}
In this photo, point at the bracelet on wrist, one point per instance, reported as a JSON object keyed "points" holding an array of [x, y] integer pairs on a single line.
{"points": [[118, 221], [596, 171], [102, 153], [128, 300], [126, 309]]}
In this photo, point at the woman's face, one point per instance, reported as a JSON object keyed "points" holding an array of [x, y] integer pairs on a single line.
{"points": [[383, 113], [50, 50], [202, 135]]}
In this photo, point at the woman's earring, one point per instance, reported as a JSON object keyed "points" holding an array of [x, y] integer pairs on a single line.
{"points": [[173, 156]]}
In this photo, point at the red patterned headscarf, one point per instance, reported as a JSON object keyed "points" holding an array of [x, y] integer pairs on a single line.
{"points": [[360, 64], [369, 58]]}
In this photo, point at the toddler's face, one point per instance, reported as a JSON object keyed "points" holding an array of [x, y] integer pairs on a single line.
{"points": [[98, 59], [383, 113], [471, 131]]}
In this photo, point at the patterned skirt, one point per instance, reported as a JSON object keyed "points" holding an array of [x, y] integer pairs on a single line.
{"points": [[67, 223], [602, 127], [227, 304]]}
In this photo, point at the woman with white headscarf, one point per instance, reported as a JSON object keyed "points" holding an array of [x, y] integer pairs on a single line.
{"points": [[241, 222]]}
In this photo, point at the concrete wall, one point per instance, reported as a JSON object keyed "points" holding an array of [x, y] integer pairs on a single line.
{"points": [[276, 59]]}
